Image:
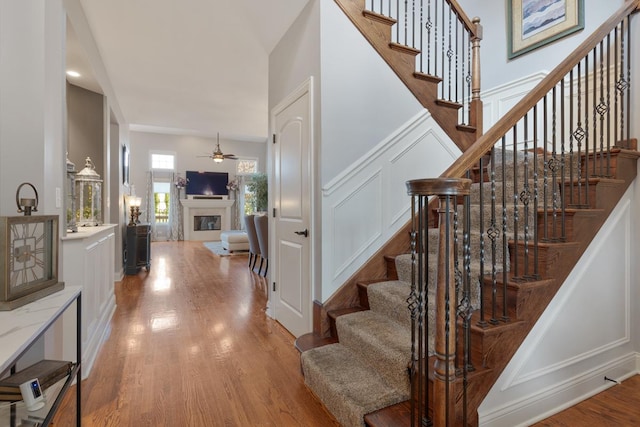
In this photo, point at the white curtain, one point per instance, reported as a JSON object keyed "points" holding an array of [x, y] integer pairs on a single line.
{"points": [[150, 206], [176, 231], [239, 214], [174, 228]]}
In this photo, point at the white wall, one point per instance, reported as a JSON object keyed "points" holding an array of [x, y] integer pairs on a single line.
{"points": [[187, 149], [32, 128], [363, 101], [367, 203], [360, 106], [493, 50], [32, 102]]}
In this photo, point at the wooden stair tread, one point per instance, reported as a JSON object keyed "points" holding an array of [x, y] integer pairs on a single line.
{"points": [[374, 16], [427, 77], [466, 128], [391, 416], [308, 341], [398, 47], [449, 104], [342, 311]]}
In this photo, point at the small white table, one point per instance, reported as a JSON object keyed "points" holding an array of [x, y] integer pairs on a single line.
{"points": [[20, 329]]}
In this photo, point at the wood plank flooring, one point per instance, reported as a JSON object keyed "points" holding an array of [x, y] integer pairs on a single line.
{"points": [[191, 345], [618, 406]]}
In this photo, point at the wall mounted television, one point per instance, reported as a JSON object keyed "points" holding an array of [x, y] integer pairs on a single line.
{"points": [[207, 183]]}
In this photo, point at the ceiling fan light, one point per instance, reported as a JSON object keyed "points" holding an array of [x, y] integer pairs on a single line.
{"points": [[218, 158]]}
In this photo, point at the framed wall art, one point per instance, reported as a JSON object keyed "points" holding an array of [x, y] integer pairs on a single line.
{"points": [[535, 23]]}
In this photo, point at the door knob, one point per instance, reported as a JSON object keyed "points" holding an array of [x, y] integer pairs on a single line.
{"points": [[304, 233]]}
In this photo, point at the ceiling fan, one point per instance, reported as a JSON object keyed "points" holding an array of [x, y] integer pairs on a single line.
{"points": [[217, 155]]}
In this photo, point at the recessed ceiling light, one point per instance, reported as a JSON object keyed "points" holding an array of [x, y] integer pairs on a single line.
{"points": [[72, 73]]}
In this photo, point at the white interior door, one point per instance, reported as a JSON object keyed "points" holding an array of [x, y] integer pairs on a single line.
{"points": [[291, 295]]}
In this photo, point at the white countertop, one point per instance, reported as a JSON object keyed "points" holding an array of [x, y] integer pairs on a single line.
{"points": [[84, 232], [23, 325]]}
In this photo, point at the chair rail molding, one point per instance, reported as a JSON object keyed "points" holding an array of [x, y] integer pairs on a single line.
{"points": [[367, 203]]}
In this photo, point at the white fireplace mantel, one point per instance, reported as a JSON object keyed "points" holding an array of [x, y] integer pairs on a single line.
{"points": [[197, 207]]}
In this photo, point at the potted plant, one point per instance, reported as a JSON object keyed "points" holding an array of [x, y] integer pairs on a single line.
{"points": [[258, 185]]}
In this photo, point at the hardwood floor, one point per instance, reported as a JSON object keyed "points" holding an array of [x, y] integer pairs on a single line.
{"points": [[617, 406], [191, 345]]}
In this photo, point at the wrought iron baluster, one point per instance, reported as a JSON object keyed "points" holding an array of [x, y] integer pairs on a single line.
{"points": [[443, 53], [505, 241], [406, 23], [514, 199], [545, 183], [494, 234], [608, 118], [579, 134], [594, 148], [563, 181], [571, 141], [601, 109], [587, 173], [629, 50], [449, 54], [535, 194], [481, 186], [421, 36], [554, 164], [525, 199], [413, 304]]}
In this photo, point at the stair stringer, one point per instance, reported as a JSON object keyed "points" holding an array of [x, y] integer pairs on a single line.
{"points": [[551, 370], [499, 354], [402, 62]]}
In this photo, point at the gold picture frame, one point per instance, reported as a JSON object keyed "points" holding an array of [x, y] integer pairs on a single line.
{"points": [[532, 24]]}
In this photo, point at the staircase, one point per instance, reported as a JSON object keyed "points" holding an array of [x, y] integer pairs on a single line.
{"points": [[504, 228]]}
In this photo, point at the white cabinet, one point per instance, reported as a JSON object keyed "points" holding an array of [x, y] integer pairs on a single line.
{"points": [[88, 260]]}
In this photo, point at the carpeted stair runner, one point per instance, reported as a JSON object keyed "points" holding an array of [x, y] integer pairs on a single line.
{"points": [[367, 369], [346, 385]]}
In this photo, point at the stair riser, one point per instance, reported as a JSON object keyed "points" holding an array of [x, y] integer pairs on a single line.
{"points": [[549, 257], [519, 295], [389, 358], [390, 300]]}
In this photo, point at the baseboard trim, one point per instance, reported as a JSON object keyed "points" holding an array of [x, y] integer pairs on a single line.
{"points": [[533, 408]]}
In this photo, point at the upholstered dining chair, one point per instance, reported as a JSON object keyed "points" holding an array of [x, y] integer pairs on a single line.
{"points": [[262, 230], [254, 245]]}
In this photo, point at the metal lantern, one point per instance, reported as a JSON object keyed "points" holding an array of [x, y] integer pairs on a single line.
{"points": [[71, 197], [88, 196]]}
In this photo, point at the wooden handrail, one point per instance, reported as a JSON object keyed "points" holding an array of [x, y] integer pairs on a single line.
{"points": [[464, 18], [472, 155]]}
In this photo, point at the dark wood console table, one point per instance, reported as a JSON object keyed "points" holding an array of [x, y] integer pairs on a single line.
{"points": [[138, 248]]}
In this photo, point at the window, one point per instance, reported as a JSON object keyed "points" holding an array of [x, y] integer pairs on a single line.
{"points": [[163, 161], [246, 166], [161, 199]]}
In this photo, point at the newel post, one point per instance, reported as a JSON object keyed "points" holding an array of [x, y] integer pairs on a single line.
{"points": [[475, 116], [443, 399]]}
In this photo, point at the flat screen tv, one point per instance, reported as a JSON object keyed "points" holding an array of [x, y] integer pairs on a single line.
{"points": [[207, 183]]}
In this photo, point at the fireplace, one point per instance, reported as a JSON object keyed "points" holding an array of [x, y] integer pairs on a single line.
{"points": [[205, 219], [207, 222]]}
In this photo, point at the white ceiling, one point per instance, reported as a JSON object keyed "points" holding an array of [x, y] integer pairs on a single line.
{"points": [[191, 66]]}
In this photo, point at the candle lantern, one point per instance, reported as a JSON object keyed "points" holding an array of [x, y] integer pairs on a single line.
{"points": [[88, 196], [71, 197]]}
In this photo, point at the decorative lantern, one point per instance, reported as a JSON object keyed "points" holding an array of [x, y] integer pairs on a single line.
{"points": [[71, 197], [88, 196]]}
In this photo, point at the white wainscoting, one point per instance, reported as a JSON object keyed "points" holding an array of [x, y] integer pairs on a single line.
{"points": [[586, 333], [499, 100], [366, 204]]}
